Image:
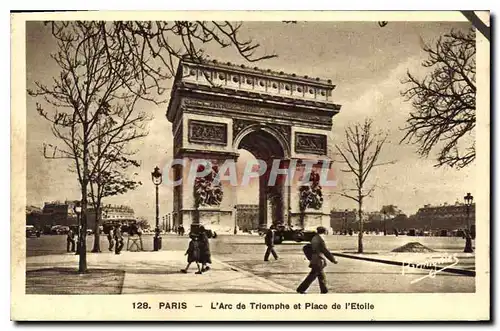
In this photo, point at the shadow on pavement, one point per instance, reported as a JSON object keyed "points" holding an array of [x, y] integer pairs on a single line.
{"points": [[68, 281]]}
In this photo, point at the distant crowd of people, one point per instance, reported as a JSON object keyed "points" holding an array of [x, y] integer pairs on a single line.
{"points": [[114, 236]]}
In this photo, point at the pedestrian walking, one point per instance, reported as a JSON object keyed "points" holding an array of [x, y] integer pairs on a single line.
{"points": [[316, 252], [111, 241], [70, 241], [193, 254], [269, 240], [118, 240], [205, 255]]}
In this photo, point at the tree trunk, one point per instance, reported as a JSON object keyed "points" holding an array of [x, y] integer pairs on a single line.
{"points": [[97, 234], [82, 250], [360, 235]]}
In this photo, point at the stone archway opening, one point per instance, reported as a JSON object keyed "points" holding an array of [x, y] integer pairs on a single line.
{"points": [[265, 148]]}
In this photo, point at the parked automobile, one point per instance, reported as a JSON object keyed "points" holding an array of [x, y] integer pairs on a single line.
{"points": [[31, 231], [286, 233], [59, 229]]}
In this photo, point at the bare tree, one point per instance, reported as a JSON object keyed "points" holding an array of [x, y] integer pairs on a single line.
{"points": [[360, 153], [154, 48], [110, 178], [115, 63], [444, 102]]}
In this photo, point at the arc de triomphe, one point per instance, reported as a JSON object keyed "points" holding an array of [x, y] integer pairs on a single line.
{"points": [[216, 109]]}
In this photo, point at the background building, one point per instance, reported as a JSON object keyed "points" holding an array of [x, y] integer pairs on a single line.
{"points": [[62, 213], [33, 215], [112, 214], [447, 217], [58, 213]]}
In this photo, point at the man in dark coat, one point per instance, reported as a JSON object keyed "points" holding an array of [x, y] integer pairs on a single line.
{"points": [[118, 239], [111, 238], [70, 241], [269, 240], [319, 252]]}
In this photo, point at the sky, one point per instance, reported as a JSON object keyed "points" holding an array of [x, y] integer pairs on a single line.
{"points": [[364, 61]]}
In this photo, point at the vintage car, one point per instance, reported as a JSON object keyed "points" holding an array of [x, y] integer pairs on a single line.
{"points": [[31, 231], [59, 229], [286, 233]]}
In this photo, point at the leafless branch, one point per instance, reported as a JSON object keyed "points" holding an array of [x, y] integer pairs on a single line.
{"points": [[444, 102]]}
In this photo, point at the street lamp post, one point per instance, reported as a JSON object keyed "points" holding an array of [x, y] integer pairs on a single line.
{"points": [[78, 210], [235, 221], [468, 238], [156, 177]]}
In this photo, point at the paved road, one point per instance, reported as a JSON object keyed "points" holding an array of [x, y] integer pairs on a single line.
{"points": [[349, 276], [246, 244]]}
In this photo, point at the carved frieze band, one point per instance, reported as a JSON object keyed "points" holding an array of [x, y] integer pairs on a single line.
{"points": [[313, 119], [310, 143], [203, 132]]}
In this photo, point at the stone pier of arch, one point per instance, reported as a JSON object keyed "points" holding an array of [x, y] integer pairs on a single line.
{"points": [[216, 109]]}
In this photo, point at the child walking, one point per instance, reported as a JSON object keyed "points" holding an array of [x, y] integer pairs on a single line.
{"points": [[193, 254]]}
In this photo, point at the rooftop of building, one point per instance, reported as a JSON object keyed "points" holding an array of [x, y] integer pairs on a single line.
{"points": [[445, 205], [60, 203]]}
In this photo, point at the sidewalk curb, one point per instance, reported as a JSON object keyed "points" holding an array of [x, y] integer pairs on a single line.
{"points": [[251, 275], [457, 271]]}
